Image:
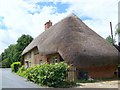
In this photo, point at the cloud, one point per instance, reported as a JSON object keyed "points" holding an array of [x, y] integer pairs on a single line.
{"points": [[29, 16], [19, 21]]}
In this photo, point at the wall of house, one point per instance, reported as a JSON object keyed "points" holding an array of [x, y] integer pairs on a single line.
{"points": [[27, 59], [103, 71], [39, 59], [33, 57], [99, 71]]}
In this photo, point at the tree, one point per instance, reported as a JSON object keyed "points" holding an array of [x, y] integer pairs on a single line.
{"points": [[109, 39], [14, 51], [117, 31], [22, 42], [1, 56], [7, 57]]}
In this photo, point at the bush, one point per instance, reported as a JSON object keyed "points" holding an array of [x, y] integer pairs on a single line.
{"points": [[22, 71], [52, 75], [15, 66]]}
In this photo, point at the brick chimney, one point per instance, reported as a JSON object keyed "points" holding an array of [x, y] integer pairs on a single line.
{"points": [[48, 25]]}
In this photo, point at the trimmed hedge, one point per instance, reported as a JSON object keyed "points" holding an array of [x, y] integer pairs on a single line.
{"points": [[15, 66], [52, 75]]}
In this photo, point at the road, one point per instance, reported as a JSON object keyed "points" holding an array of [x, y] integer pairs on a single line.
{"points": [[11, 80]]}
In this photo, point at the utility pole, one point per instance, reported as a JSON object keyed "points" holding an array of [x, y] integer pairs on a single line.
{"points": [[111, 32]]}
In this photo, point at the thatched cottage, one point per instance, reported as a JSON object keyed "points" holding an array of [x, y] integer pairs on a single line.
{"points": [[72, 41]]}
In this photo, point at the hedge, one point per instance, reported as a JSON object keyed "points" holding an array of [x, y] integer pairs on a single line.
{"points": [[52, 75], [15, 66]]}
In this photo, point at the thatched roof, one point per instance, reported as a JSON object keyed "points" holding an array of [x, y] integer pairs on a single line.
{"points": [[76, 43]]}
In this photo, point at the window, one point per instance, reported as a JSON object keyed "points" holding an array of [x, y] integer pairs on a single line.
{"points": [[54, 60]]}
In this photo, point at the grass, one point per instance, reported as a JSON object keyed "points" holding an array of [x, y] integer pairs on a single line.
{"points": [[85, 81]]}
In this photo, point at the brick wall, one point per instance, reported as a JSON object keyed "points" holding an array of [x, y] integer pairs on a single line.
{"points": [[102, 71]]}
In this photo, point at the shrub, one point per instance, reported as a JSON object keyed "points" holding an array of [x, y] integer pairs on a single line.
{"points": [[52, 75], [22, 71], [15, 66]]}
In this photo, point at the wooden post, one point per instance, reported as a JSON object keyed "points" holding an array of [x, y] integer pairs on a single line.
{"points": [[111, 32]]}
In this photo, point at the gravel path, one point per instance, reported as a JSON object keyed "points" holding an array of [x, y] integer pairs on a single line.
{"points": [[102, 84]]}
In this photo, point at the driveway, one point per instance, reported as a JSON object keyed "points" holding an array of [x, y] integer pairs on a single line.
{"points": [[11, 80]]}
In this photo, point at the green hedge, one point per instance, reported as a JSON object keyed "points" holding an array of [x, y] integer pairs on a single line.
{"points": [[52, 75], [15, 66], [22, 71]]}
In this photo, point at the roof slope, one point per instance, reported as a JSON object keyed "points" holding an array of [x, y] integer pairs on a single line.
{"points": [[76, 43]]}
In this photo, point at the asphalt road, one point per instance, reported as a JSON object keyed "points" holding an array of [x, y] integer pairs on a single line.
{"points": [[11, 80]]}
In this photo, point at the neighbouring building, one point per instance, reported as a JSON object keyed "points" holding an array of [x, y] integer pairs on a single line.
{"points": [[72, 41]]}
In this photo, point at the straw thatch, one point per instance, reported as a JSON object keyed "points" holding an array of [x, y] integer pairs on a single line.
{"points": [[76, 43]]}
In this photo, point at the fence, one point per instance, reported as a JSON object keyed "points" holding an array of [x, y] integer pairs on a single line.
{"points": [[72, 74]]}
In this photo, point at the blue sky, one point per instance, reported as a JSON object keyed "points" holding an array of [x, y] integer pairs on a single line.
{"points": [[60, 7], [19, 17], [2, 25]]}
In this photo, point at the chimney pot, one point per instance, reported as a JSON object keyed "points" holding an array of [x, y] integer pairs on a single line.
{"points": [[48, 25]]}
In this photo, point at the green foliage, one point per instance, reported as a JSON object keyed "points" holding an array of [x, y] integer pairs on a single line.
{"points": [[5, 63], [118, 65], [86, 81], [13, 52], [52, 75], [117, 31], [22, 42], [22, 71], [15, 66], [109, 39], [1, 56]]}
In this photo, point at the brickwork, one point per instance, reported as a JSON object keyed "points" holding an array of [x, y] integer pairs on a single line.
{"points": [[102, 71]]}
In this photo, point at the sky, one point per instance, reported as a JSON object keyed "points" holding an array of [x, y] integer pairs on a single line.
{"points": [[19, 17]]}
